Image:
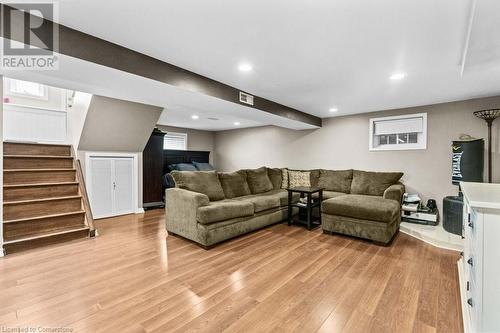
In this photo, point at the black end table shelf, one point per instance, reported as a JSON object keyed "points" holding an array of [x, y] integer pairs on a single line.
{"points": [[311, 221]]}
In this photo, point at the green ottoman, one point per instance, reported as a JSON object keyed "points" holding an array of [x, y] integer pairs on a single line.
{"points": [[363, 216]]}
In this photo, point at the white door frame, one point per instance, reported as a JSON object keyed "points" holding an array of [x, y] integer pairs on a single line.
{"points": [[135, 180]]}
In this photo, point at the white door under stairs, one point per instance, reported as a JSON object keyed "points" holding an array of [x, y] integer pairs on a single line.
{"points": [[111, 187]]}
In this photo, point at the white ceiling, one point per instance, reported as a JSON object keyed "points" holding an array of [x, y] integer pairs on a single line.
{"points": [[313, 55], [179, 104]]}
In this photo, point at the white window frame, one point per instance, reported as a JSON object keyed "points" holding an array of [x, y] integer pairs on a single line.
{"points": [[10, 91], [184, 135], [421, 145]]}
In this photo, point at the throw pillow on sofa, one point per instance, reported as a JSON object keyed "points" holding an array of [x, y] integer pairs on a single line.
{"points": [[202, 166], [284, 178], [299, 178], [335, 180], [275, 177], [205, 182], [184, 167], [258, 180], [234, 184], [373, 183]]}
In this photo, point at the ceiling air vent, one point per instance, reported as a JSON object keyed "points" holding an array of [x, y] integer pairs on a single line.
{"points": [[246, 98]]}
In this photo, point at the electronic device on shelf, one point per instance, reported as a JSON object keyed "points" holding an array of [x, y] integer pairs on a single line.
{"points": [[420, 214]]}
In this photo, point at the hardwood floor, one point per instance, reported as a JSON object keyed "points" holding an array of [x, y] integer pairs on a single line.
{"points": [[133, 278]]}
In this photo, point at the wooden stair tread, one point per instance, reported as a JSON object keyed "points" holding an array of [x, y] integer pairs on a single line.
{"points": [[44, 217], [38, 170], [61, 231], [40, 156], [39, 185], [41, 200]]}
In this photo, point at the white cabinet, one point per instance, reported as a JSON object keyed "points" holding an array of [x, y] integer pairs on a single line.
{"points": [[111, 187], [479, 268]]}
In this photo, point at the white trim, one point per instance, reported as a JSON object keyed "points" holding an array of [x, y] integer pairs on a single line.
{"points": [[35, 107], [463, 297], [139, 211], [465, 51], [411, 146], [135, 181]]}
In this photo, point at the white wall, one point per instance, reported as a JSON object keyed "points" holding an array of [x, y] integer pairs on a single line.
{"points": [[76, 115]]}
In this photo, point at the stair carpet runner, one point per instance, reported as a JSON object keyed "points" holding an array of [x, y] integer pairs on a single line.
{"points": [[42, 201]]}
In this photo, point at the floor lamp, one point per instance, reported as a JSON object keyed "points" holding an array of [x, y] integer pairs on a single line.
{"points": [[489, 116]]}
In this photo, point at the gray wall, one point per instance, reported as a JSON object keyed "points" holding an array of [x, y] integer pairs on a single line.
{"points": [[342, 143], [197, 140], [118, 125]]}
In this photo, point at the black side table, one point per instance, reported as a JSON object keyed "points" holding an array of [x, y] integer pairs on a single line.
{"points": [[310, 221]]}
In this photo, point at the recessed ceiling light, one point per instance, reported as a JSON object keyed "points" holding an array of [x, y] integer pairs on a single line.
{"points": [[333, 109], [236, 123], [245, 67], [398, 76], [195, 117]]}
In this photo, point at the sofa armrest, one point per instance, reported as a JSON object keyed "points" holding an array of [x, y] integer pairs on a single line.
{"points": [[180, 209], [395, 192]]}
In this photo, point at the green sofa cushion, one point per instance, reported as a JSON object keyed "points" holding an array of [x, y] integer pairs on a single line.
{"points": [[275, 177], [282, 195], [261, 202], [329, 194], [224, 210], [335, 180], [258, 180], [362, 207], [205, 182], [234, 184], [373, 183]]}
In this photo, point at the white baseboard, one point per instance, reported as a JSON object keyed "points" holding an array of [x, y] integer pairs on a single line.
{"points": [[139, 211], [434, 235], [2, 252], [463, 297]]}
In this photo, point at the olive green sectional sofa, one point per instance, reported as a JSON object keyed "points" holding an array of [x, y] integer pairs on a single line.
{"points": [[209, 207]]}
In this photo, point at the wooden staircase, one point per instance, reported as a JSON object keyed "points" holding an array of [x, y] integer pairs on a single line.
{"points": [[44, 196]]}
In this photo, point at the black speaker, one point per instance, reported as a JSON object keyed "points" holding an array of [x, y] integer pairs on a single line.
{"points": [[467, 161], [452, 214]]}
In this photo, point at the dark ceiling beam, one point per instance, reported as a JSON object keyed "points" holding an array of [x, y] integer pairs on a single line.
{"points": [[83, 46]]}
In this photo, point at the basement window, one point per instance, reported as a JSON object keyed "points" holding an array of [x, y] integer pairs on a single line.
{"points": [[175, 141], [27, 89], [399, 132]]}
